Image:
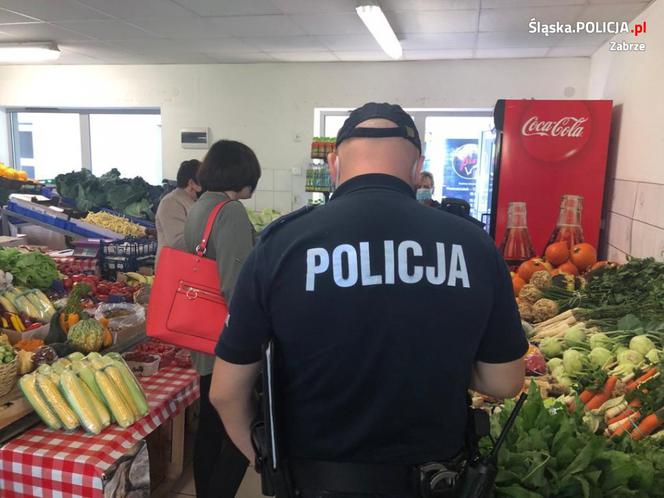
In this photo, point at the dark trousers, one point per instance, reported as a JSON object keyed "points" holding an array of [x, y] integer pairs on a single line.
{"points": [[219, 467], [332, 494]]}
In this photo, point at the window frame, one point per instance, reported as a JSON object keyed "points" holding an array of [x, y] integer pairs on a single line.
{"points": [[84, 116]]}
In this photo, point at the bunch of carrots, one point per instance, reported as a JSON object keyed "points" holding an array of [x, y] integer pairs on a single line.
{"points": [[628, 415]]}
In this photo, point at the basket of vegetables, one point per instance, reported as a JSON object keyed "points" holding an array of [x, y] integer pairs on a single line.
{"points": [[8, 368]]}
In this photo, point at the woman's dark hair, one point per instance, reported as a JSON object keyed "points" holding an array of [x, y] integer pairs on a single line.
{"points": [[188, 171], [229, 165]]}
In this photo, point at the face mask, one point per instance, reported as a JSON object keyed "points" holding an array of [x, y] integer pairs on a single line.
{"points": [[423, 194]]}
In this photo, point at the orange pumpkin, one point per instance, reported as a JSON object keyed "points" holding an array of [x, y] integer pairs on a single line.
{"points": [[583, 256], [517, 284], [557, 253], [598, 265], [529, 267], [568, 267]]}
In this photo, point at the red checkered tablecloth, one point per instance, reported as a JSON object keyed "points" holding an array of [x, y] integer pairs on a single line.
{"points": [[56, 464]]}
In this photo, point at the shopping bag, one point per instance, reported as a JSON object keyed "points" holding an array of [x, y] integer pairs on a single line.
{"points": [[186, 307]]}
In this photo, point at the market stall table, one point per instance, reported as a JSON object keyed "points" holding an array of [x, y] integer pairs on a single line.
{"points": [[47, 463]]}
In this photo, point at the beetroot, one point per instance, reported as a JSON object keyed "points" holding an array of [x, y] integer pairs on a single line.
{"points": [[535, 363]]}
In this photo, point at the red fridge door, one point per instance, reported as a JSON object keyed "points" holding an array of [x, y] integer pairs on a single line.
{"points": [[549, 148]]}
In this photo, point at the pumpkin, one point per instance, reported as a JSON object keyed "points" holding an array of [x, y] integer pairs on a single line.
{"points": [[583, 256], [569, 267], [529, 267], [517, 284], [557, 253]]}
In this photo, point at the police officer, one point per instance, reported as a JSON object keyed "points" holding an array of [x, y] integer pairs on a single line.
{"points": [[386, 312]]}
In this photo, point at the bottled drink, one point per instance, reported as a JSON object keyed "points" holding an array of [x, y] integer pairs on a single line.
{"points": [[569, 227], [516, 246]]}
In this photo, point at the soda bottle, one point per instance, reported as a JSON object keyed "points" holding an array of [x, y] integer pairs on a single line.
{"points": [[516, 246], [569, 226]]}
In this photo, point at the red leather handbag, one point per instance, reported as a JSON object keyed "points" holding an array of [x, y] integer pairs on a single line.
{"points": [[186, 307]]}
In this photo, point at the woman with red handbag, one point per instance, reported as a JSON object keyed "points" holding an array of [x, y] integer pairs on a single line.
{"points": [[230, 172]]}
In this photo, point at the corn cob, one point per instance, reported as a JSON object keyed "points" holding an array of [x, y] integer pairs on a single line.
{"points": [[116, 377], [114, 400], [137, 394], [55, 400], [28, 384], [98, 404], [71, 386]]}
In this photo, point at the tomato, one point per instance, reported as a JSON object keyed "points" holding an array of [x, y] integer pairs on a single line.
{"points": [[35, 326], [68, 283], [102, 288], [78, 277]]}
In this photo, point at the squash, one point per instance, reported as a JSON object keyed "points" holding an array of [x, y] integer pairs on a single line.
{"points": [[86, 336]]}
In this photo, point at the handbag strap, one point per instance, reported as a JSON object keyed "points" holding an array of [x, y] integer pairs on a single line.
{"points": [[201, 248]]}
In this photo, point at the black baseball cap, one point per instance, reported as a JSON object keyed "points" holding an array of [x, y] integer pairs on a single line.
{"points": [[373, 110]]}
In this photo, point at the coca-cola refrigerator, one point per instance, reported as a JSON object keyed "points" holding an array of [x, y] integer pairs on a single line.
{"points": [[548, 171]]}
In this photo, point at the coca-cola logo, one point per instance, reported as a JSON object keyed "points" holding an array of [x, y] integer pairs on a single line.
{"points": [[555, 130]]}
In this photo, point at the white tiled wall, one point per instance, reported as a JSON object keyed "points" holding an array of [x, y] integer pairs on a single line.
{"points": [[636, 220], [274, 191]]}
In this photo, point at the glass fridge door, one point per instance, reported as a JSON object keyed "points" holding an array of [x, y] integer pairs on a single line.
{"points": [[484, 190]]}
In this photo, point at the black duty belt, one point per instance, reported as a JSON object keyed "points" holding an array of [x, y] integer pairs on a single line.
{"points": [[360, 478]]}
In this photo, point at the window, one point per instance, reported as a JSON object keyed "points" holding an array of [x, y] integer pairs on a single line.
{"points": [[48, 144], [137, 137], [54, 141]]}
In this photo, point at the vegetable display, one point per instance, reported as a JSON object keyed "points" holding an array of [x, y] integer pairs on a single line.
{"points": [[87, 391], [116, 224], [29, 269]]}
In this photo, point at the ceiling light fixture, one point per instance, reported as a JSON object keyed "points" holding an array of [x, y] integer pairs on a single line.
{"points": [[28, 52], [376, 22]]}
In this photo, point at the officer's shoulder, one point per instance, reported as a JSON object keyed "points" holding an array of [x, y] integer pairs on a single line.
{"points": [[283, 221]]}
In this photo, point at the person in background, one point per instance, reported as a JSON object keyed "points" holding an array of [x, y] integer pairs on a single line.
{"points": [[230, 171], [174, 207], [424, 190]]}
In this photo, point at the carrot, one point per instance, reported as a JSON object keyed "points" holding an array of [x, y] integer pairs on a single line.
{"points": [[650, 373], [586, 395], [601, 398], [622, 415], [626, 424], [648, 425]]}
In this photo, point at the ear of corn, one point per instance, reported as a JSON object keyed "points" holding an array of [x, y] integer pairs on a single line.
{"points": [[28, 385], [116, 377], [97, 403], [52, 395], [87, 374], [135, 389], [72, 387], [114, 400]]}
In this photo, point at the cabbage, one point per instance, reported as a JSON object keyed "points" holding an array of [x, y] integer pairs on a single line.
{"points": [[553, 363], [600, 356], [575, 336], [629, 356], [642, 344], [558, 372], [551, 347], [653, 356], [566, 382], [599, 339], [573, 361]]}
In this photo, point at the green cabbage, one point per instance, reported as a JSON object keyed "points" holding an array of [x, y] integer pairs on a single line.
{"points": [[642, 344], [600, 356], [575, 336], [551, 347], [573, 361]]}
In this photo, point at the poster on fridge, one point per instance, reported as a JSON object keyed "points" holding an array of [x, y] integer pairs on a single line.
{"points": [[549, 174]]}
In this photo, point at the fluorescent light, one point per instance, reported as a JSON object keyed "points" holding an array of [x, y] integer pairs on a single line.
{"points": [[28, 52], [376, 22]]}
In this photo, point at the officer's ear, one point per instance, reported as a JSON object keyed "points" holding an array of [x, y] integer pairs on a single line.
{"points": [[332, 164], [417, 170]]}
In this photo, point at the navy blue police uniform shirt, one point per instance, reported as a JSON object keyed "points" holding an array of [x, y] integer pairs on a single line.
{"points": [[380, 306]]}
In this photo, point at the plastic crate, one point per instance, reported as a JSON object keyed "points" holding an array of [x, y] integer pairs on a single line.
{"points": [[127, 255]]}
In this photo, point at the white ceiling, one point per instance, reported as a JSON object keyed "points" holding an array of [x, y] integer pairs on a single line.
{"points": [[218, 31]]}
